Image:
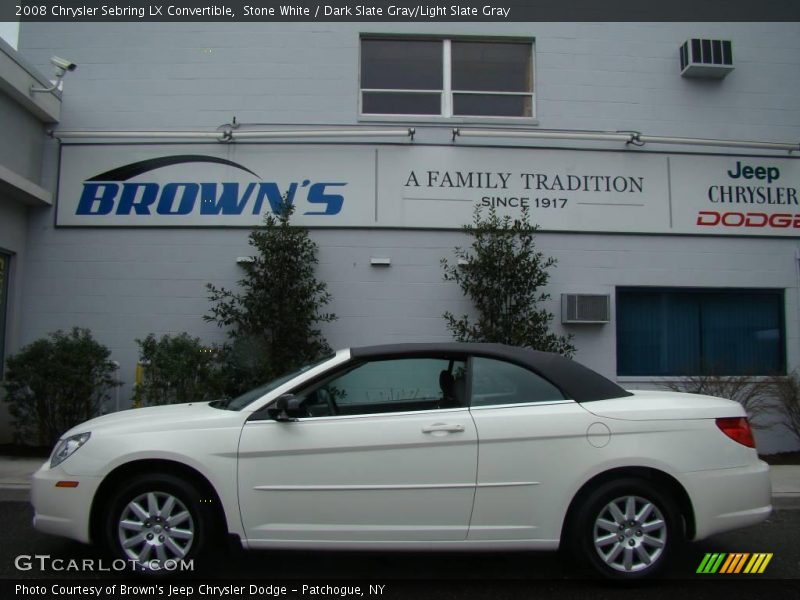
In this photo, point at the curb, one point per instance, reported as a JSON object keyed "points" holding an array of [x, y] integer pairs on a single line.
{"points": [[15, 494], [786, 502]]}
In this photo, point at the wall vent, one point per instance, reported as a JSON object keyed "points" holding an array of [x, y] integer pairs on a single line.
{"points": [[585, 308], [712, 59]]}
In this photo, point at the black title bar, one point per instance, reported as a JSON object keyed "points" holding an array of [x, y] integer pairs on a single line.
{"points": [[400, 10]]}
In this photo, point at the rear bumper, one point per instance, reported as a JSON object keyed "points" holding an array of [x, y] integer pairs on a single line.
{"points": [[726, 499], [62, 511]]}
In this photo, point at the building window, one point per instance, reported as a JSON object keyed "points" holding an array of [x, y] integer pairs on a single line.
{"points": [[663, 332], [4, 262], [447, 78]]}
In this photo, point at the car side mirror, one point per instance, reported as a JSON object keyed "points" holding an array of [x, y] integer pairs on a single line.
{"points": [[285, 408]]}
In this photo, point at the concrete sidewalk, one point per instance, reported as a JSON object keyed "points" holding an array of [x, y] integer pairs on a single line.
{"points": [[15, 474], [15, 471], [785, 485]]}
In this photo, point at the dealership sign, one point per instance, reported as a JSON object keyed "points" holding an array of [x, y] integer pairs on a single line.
{"points": [[427, 187], [117, 192], [179, 186]]}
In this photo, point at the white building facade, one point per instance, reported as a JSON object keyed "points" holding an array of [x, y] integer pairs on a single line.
{"points": [[387, 136]]}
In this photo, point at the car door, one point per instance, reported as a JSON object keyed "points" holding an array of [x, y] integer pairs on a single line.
{"points": [[385, 450], [532, 446]]}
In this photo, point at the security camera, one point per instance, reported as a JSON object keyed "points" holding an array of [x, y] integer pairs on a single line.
{"points": [[63, 64]]}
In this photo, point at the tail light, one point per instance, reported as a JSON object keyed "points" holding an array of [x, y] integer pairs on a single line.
{"points": [[738, 429]]}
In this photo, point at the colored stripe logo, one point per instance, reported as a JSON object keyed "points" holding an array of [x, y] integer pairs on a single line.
{"points": [[735, 563]]}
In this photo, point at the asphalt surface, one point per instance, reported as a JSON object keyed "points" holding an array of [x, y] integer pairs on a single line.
{"points": [[409, 575]]}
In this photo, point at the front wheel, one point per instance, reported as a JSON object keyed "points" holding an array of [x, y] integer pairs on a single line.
{"points": [[157, 522], [627, 529]]}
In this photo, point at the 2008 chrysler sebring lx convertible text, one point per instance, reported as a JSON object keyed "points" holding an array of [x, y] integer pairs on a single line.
{"points": [[418, 446]]}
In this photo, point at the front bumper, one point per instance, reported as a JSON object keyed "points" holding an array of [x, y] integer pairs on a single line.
{"points": [[63, 511], [726, 499]]}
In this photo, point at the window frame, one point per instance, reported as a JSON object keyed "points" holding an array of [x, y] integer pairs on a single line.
{"points": [[447, 92], [700, 291], [312, 386], [5, 286]]}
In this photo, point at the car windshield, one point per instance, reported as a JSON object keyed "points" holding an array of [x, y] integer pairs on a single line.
{"points": [[240, 402]]}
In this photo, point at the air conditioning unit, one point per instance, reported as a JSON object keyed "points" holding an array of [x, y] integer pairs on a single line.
{"points": [[585, 308], [712, 59]]}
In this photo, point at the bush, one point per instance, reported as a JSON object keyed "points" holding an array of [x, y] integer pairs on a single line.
{"points": [[274, 318], [751, 392], [177, 369], [786, 391], [55, 383], [503, 274]]}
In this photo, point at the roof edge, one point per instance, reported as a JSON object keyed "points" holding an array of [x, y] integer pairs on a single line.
{"points": [[17, 76]]}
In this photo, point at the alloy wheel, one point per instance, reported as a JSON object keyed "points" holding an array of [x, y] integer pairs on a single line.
{"points": [[630, 534], [156, 526]]}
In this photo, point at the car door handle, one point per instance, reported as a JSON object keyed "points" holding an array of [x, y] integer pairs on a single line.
{"points": [[442, 427]]}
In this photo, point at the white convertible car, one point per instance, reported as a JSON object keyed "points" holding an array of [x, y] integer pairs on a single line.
{"points": [[421, 446]]}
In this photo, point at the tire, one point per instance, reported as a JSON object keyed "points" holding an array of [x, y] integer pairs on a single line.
{"points": [[158, 517], [627, 530]]}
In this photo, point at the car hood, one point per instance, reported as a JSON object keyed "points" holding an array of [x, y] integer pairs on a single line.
{"points": [[192, 415], [651, 405]]}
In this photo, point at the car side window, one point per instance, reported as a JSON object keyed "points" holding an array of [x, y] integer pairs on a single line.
{"points": [[397, 385], [496, 382]]}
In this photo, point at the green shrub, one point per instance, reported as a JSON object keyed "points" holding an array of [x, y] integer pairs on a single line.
{"points": [[177, 369], [55, 383], [273, 317], [503, 274]]}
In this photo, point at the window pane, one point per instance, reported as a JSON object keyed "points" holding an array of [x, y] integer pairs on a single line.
{"points": [[495, 382], [4, 260], [251, 396], [657, 333], [396, 386], [691, 332], [742, 334], [492, 106], [398, 103], [401, 64], [492, 67]]}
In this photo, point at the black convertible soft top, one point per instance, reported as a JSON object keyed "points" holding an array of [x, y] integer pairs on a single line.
{"points": [[576, 381]]}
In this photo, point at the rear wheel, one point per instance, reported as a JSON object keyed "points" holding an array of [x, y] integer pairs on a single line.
{"points": [[627, 529], [156, 521]]}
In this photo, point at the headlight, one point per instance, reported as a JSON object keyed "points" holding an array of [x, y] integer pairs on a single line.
{"points": [[67, 447]]}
